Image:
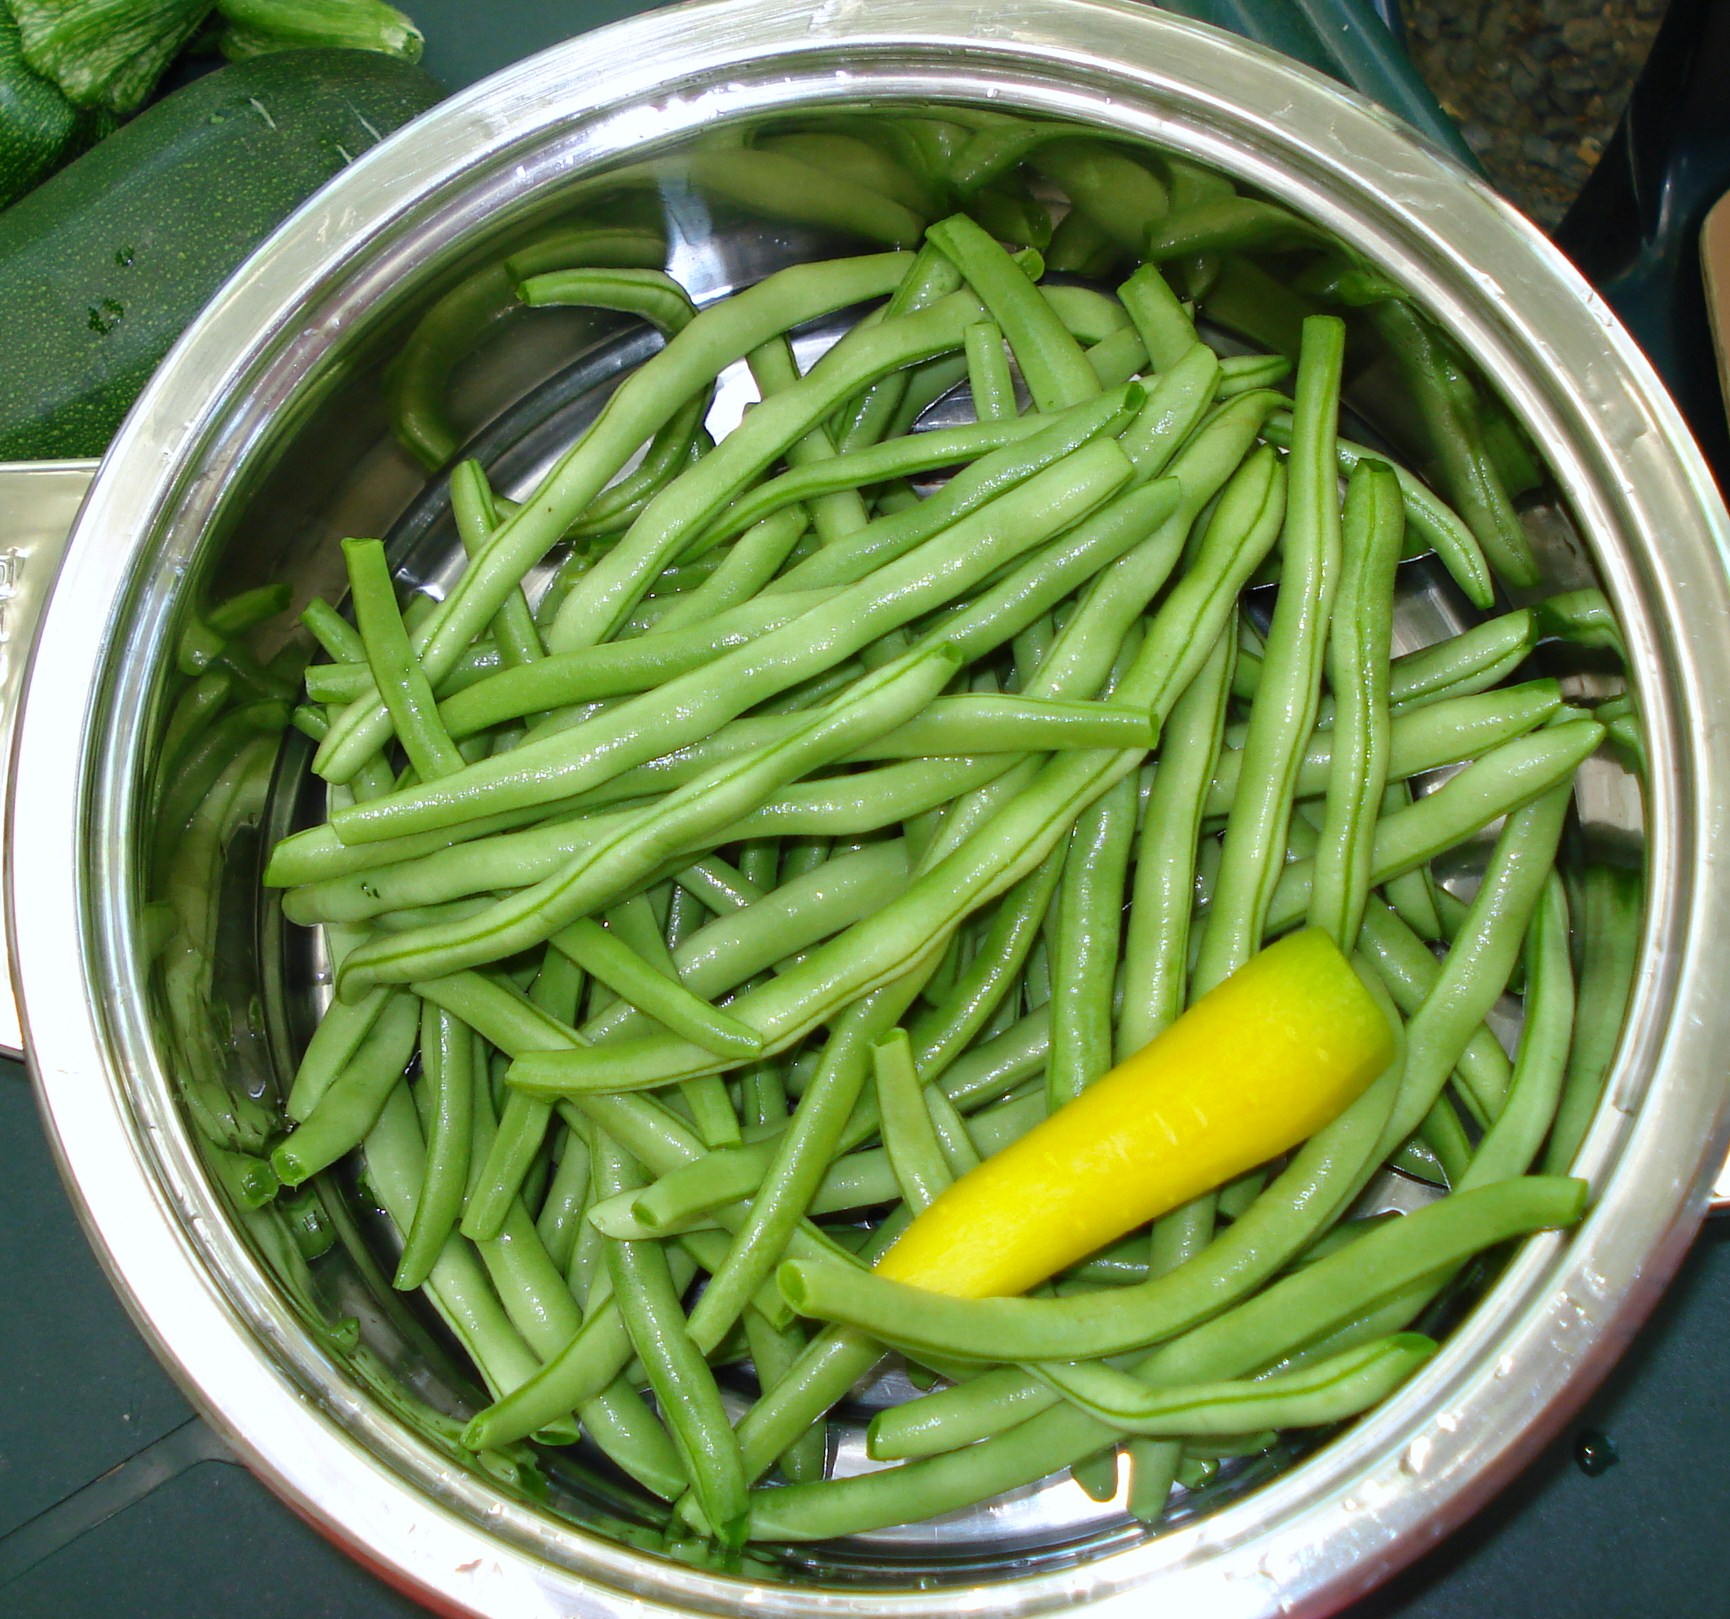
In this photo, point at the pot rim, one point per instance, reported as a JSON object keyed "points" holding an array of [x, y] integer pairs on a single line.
{"points": [[1531, 1349]]}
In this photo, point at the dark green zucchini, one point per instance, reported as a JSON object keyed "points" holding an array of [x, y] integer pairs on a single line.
{"points": [[39, 128], [104, 265]]}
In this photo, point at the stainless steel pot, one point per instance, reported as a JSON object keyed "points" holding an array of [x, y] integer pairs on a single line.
{"points": [[259, 443]]}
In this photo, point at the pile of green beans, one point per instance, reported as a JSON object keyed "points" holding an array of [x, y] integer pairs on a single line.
{"points": [[695, 920]]}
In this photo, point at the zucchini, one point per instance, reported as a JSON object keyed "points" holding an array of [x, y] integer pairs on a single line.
{"points": [[39, 128], [106, 53], [104, 265], [257, 26]]}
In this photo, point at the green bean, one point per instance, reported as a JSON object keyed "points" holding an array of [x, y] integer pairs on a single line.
{"points": [[678, 823], [1301, 1203], [651, 1133], [652, 295], [750, 563], [773, 930], [1513, 1141], [457, 1285], [840, 511], [1080, 247], [1446, 731], [444, 873], [1410, 972], [535, 1297], [448, 330], [960, 1151], [1117, 358], [796, 1162], [447, 1069], [1087, 316], [909, 1137], [1136, 528], [773, 1351], [1584, 617], [334, 1042], [1476, 969], [203, 701], [1609, 907], [878, 464], [684, 1386], [610, 961], [831, 1363], [677, 444], [350, 1105], [765, 181], [942, 1032], [1166, 330], [641, 404], [1445, 1138], [1246, 373], [476, 518], [1285, 710], [863, 1179], [1472, 661], [1428, 517], [985, 480], [690, 706], [557, 991], [995, 145], [1050, 360], [1213, 463], [1454, 440], [963, 726], [1213, 223], [1250, 301], [1156, 945], [1088, 934], [1300, 1307], [763, 1097], [206, 635], [1499, 781], [988, 373], [985, 1405], [721, 888], [870, 415], [560, 1220], [1156, 955], [986, 1072], [338, 683], [1359, 646], [407, 693], [860, 159], [599, 1351], [207, 759], [1322, 1392], [604, 596], [873, 950], [620, 668], [1009, 846], [1118, 194]]}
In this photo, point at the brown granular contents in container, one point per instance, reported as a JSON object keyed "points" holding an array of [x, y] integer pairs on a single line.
{"points": [[1536, 86]]}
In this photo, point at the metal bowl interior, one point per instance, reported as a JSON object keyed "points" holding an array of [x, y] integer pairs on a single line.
{"points": [[265, 439]]}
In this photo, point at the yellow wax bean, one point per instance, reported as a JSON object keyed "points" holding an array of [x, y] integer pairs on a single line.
{"points": [[1258, 1064]]}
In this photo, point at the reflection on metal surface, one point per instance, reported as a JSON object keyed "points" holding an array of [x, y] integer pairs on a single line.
{"points": [[38, 500]]}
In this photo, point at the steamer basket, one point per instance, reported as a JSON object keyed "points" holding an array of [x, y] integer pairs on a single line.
{"points": [[263, 440]]}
